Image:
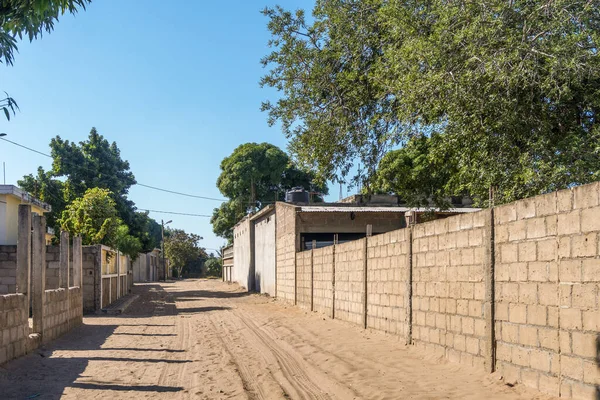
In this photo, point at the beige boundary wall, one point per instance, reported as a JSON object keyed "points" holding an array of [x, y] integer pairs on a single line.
{"points": [[514, 289]]}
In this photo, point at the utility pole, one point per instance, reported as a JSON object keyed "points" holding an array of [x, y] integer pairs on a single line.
{"points": [[162, 250]]}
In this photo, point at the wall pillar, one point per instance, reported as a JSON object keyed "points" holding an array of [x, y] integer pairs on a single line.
{"points": [[77, 262], [312, 276], [63, 269], [365, 274], [38, 272], [24, 249], [335, 240], [489, 302], [119, 274], [409, 285]]}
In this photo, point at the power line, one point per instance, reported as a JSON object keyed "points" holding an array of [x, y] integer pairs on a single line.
{"points": [[175, 213], [137, 183]]}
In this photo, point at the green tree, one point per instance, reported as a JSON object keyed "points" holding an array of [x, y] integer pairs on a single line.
{"points": [[29, 18], [213, 266], [127, 244], [510, 87], [182, 248], [416, 173], [94, 217], [48, 189], [253, 176]]}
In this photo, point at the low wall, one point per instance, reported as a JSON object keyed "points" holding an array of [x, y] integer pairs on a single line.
{"points": [[63, 310], [514, 289], [8, 269], [14, 326]]}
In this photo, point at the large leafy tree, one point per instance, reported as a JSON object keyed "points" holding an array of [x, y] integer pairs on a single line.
{"points": [[254, 175], [510, 87], [30, 19], [333, 108], [182, 249], [93, 163]]}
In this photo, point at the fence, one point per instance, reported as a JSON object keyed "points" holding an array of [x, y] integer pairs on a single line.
{"points": [[53, 311], [514, 289], [116, 281]]}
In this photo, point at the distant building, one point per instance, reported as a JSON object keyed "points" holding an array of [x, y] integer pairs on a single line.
{"points": [[10, 198], [266, 242]]}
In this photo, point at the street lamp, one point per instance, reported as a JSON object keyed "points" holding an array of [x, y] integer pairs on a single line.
{"points": [[162, 232]]}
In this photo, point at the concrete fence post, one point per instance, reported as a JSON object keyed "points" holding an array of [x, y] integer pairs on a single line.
{"points": [[119, 274], [77, 262], [38, 272], [24, 249], [312, 276], [335, 240], [365, 274], [489, 304], [295, 277], [63, 270], [409, 284]]}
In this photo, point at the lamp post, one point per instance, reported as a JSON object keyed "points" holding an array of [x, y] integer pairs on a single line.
{"points": [[2, 134], [162, 232]]}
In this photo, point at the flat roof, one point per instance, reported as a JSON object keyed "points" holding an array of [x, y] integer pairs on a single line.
{"points": [[23, 195], [384, 209]]}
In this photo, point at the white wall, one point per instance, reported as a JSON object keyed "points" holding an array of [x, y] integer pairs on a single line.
{"points": [[264, 253], [242, 271]]}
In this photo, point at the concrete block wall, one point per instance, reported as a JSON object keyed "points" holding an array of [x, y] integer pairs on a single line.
{"points": [[285, 251], [387, 274], [63, 310], [14, 326], [329, 222], [547, 277], [323, 280], [449, 289], [303, 279], [8, 269], [349, 281]]}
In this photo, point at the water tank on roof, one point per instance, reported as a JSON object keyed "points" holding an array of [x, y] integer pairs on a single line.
{"points": [[296, 195]]}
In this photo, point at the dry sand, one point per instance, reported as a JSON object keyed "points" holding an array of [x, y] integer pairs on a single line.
{"points": [[204, 339]]}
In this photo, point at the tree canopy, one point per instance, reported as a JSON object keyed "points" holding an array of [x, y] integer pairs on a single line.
{"points": [[182, 248], [30, 19], [93, 163], [511, 88], [254, 175]]}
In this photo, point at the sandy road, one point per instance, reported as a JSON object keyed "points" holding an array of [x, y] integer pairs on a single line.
{"points": [[200, 339]]}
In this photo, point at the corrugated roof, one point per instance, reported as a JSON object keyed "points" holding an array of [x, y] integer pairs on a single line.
{"points": [[383, 209]]}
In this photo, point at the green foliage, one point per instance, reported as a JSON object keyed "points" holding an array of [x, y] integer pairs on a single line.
{"points": [[253, 176], [225, 217], [93, 163], [213, 266], [29, 18], [94, 217], [127, 244], [512, 89], [416, 173], [182, 248]]}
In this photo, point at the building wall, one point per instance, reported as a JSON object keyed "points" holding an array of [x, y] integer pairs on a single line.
{"points": [[243, 272], [323, 280], [349, 281], [547, 288], [286, 250], [448, 287], [9, 212], [264, 251], [387, 301], [338, 222]]}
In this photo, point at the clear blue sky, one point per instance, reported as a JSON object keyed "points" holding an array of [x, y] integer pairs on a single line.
{"points": [[174, 83]]}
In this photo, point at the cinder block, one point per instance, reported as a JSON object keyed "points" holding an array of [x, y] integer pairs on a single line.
{"points": [[572, 367], [527, 251], [517, 313], [530, 378], [591, 320], [548, 338], [528, 335], [525, 208], [564, 200], [586, 195], [536, 228], [536, 315], [584, 296], [570, 318], [569, 270], [547, 250], [584, 344], [520, 356], [591, 270], [528, 293], [568, 223], [584, 245]]}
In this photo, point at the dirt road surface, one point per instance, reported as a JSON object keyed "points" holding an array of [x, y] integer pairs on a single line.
{"points": [[204, 339]]}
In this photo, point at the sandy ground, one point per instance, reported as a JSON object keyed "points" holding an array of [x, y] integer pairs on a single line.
{"points": [[204, 339]]}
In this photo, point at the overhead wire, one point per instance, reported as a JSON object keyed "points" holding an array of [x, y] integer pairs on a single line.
{"points": [[137, 183]]}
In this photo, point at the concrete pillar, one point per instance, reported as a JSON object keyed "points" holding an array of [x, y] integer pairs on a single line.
{"points": [[63, 268], [38, 262], [77, 262], [24, 249], [365, 274], [335, 241], [489, 302], [118, 274], [312, 275], [409, 285]]}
